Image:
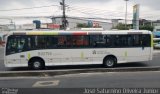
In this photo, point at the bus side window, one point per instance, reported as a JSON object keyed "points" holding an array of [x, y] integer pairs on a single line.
{"points": [[51, 42], [98, 41], [109, 40], [136, 40], [93, 40], [117, 41], [130, 41], [146, 40], [1, 39]]}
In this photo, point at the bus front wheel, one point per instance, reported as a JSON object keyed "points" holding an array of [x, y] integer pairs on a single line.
{"points": [[37, 64], [109, 62]]}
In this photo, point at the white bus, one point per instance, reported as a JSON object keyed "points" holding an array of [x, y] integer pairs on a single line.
{"points": [[38, 49]]}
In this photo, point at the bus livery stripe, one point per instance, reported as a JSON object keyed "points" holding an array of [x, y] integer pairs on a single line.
{"points": [[94, 33], [29, 56], [50, 33], [34, 33], [57, 33], [152, 40], [80, 33], [42, 33], [19, 33], [64, 33]]}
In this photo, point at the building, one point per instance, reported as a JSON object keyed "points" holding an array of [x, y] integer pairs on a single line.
{"points": [[3, 27], [156, 25], [143, 22], [73, 21], [7, 27]]}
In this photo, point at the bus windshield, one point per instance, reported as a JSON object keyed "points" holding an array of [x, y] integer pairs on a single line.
{"points": [[15, 44]]}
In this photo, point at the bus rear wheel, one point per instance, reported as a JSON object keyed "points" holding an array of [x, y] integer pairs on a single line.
{"points": [[109, 62], [37, 64]]}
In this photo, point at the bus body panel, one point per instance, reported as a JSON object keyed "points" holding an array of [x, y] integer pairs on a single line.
{"points": [[78, 56]]}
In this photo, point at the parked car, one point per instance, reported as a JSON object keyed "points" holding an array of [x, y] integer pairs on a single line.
{"points": [[157, 46]]}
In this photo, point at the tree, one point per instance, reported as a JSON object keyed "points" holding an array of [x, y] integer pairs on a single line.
{"points": [[82, 25], [146, 27], [121, 26]]}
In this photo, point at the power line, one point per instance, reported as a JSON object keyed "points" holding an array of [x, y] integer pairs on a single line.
{"points": [[85, 11], [98, 12], [29, 8], [23, 14], [94, 9], [91, 14]]}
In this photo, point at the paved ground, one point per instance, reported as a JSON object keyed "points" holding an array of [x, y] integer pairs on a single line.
{"points": [[88, 80], [85, 80], [154, 62]]}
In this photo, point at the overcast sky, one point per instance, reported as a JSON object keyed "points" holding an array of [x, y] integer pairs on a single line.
{"points": [[110, 9]]}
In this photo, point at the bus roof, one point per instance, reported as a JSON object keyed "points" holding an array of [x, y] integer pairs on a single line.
{"points": [[79, 32]]}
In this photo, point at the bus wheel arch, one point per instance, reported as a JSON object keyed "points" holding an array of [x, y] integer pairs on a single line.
{"points": [[36, 63], [110, 61]]}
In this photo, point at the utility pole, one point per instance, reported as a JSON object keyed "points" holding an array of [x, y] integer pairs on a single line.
{"points": [[126, 15], [64, 26]]}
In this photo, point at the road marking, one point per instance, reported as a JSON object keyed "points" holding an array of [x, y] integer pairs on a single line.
{"points": [[46, 83], [86, 74]]}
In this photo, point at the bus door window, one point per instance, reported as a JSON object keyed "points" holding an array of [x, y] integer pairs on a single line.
{"points": [[15, 44], [11, 46], [31, 43], [21, 43]]}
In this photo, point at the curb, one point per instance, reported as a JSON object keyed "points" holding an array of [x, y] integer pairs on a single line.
{"points": [[48, 73]]}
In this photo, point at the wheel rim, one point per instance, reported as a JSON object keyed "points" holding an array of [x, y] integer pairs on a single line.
{"points": [[109, 63], [37, 65]]}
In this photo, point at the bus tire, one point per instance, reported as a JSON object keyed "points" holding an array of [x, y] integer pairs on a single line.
{"points": [[37, 64], [109, 62]]}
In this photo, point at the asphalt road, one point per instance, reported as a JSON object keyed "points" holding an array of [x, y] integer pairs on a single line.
{"points": [[88, 80], [84, 80], [154, 62]]}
